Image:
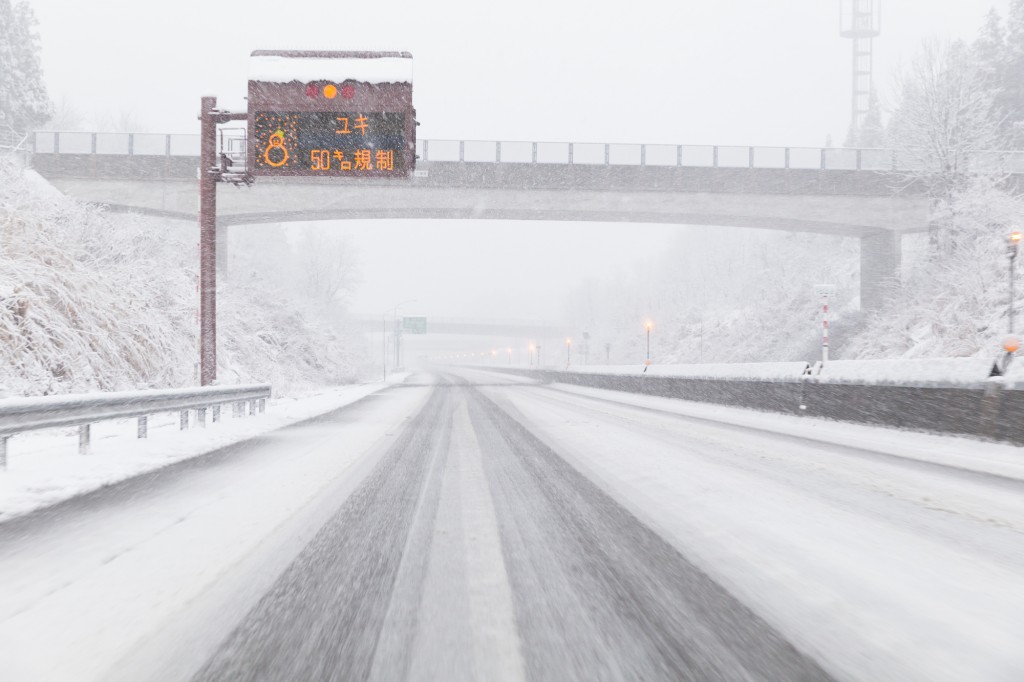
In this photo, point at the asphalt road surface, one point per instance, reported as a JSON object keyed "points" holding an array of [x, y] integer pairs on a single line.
{"points": [[473, 551]]}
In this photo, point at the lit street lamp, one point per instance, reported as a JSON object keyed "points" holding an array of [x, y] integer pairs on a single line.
{"points": [[531, 354], [568, 353], [1011, 251], [510, 355]]}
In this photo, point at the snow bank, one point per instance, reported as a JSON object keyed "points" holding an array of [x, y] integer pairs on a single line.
{"points": [[44, 467], [283, 69], [930, 370]]}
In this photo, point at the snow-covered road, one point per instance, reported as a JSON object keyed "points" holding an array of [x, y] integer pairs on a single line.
{"points": [[477, 526]]}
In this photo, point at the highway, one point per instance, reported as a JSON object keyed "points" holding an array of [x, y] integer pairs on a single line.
{"points": [[474, 526]]}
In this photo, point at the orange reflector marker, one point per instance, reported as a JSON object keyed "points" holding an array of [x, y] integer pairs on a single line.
{"points": [[330, 91]]}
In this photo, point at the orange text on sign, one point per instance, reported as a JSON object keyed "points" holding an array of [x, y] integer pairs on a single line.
{"points": [[362, 160]]}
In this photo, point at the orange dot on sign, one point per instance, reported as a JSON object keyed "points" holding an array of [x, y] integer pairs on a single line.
{"points": [[330, 92]]}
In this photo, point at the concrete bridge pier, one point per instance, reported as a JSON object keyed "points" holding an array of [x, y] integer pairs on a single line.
{"points": [[879, 268]]}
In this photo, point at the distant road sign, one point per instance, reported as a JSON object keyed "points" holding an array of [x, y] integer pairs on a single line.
{"points": [[414, 325], [825, 290]]}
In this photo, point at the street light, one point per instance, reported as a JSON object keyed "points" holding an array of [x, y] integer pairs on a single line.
{"points": [[1011, 251], [396, 334], [510, 355], [649, 326], [568, 353], [532, 347]]}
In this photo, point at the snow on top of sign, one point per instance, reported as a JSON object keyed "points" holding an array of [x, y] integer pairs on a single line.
{"points": [[285, 69]]}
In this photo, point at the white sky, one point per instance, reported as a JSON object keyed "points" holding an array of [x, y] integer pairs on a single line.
{"points": [[656, 71]]}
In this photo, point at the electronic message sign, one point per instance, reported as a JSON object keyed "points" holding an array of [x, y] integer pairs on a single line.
{"points": [[331, 114]]}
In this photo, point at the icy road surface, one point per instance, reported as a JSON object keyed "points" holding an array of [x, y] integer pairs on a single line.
{"points": [[471, 526]]}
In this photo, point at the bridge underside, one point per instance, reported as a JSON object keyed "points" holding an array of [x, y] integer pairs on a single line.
{"points": [[876, 219]]}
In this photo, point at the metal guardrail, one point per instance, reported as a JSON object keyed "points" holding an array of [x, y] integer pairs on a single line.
{"points": [[18, 415], [551, 153]]}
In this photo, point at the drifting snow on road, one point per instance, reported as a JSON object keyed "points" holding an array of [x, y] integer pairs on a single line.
{"points": [[473, 526]]}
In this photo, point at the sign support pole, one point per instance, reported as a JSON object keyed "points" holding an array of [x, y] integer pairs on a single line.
{"points": [[824, 331], [208, 242]]}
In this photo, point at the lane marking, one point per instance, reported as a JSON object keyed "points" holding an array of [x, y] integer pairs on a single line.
{"points": [[497, 649]]}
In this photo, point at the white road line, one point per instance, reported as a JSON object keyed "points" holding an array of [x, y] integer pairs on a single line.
{"points": [[496, 645]]}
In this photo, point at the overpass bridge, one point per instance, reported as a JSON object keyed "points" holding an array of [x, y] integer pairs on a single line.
{"points": [[842, 192], [511, 329]]}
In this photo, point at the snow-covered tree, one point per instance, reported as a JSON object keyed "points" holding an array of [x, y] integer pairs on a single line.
{"points": [[121, 121], [945, 118], [24, 102], [329, 267], [66, 116]]}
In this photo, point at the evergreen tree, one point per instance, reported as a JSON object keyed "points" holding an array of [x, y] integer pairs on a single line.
{"points": [[872, 133], [852, 136], [990, 50], [24, 102]]}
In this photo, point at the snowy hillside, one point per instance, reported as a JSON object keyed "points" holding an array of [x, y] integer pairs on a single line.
{"points": [[723, 295], [93, 301]]}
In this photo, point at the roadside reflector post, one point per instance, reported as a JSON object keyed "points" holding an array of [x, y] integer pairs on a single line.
{"points": [[826, 292], [216, 413], [184, 420], [143, 430], [83, 439]]}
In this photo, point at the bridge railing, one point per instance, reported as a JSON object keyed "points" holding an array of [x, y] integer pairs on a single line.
{"points": [[561, 153], [115, 144], [697, 156]]}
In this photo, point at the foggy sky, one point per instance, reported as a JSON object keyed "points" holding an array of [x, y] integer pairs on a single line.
{"points": [[681, 72]]}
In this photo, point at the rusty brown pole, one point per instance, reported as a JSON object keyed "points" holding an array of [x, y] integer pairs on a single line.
{"points": [[207, 243]]}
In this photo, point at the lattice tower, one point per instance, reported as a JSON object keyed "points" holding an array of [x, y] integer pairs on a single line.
{"points": [[861, 22]]}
